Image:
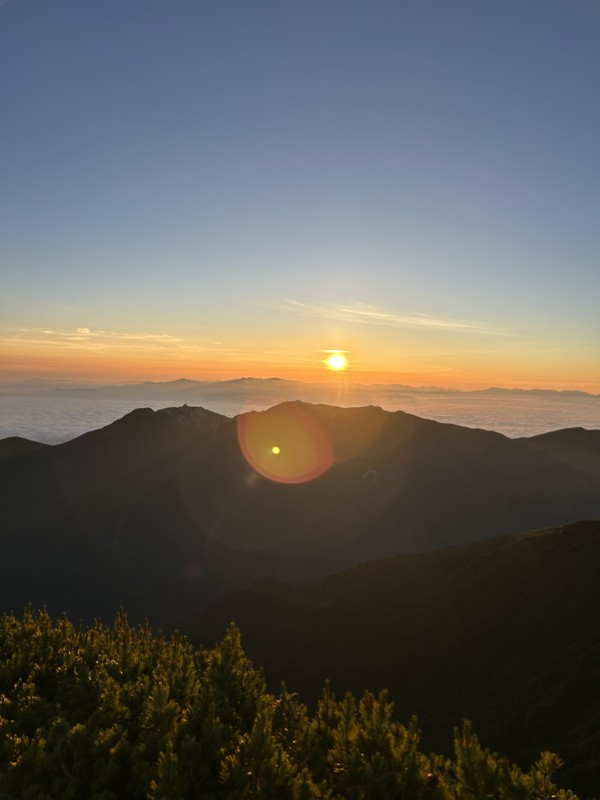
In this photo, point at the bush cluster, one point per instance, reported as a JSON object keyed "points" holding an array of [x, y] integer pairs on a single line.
{"points": [[110, 713]]}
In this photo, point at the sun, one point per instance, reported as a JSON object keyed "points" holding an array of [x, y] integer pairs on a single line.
{"points": [[337, 361]]}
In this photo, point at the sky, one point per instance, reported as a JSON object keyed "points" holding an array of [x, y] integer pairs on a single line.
{"points": [[232, 188]]}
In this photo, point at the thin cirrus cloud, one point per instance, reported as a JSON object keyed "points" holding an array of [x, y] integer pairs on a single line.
{"points": [[366, 314], [86, 337]]}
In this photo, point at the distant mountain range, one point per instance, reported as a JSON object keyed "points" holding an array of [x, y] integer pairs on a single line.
{"points": [[272, 388], [161, 513], [504, 632]]}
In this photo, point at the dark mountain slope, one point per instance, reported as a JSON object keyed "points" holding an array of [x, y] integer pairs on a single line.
{"points": [[574, 446], [102, 521], [505, 632], [161, 512], [17, 446]]}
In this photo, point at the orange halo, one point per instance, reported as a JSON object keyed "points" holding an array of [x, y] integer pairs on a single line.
{"points": [[286, 444]]}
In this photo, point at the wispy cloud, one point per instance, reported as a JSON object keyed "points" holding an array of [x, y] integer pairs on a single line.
{"points": [[365, 314], [92, 340], [87, 338], [126, 336]]}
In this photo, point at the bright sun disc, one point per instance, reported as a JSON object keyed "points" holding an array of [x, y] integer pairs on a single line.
{"points": [[336, 361]]}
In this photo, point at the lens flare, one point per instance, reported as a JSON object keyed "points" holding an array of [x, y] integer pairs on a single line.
{"points": [[287, 443]]}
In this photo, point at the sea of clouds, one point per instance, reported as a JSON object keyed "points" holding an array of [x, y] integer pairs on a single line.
{"points": [[52, 416]]}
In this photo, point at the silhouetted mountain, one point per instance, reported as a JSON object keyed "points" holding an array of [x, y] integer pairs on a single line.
{"points": [[537, 392], [504, 632], [160, 512], [17, 446], [574, 446]]}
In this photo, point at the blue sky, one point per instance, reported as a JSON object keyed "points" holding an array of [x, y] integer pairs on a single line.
{"points": [[228, 188]]}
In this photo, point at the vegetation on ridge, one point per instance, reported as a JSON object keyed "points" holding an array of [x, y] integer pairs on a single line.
{"points": [[107, 713], [500, 631]]}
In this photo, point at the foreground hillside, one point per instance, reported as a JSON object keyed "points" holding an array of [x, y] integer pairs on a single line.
{"points": [[505, 632], [119, 713], [161, 512]]}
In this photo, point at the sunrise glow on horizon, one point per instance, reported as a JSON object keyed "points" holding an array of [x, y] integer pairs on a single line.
{"points": [[120, 362], [371, 193]]}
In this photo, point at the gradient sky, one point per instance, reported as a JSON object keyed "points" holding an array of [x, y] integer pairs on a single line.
{"points": [[227, 188]]}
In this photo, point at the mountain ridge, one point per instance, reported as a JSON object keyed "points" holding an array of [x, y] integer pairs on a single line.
{"points": [[69, 385], [165, 501]]}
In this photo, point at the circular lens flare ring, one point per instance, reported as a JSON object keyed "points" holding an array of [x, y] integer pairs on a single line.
{"points": [[287, 444]]}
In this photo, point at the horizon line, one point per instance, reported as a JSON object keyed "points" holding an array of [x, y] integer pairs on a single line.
{"points": [[90, 384]]}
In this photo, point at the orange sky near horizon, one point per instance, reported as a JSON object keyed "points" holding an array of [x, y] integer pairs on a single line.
{"points": [[142, 359]]}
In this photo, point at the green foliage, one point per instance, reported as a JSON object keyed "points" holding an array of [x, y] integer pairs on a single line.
{"points": [[107, 713]]}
